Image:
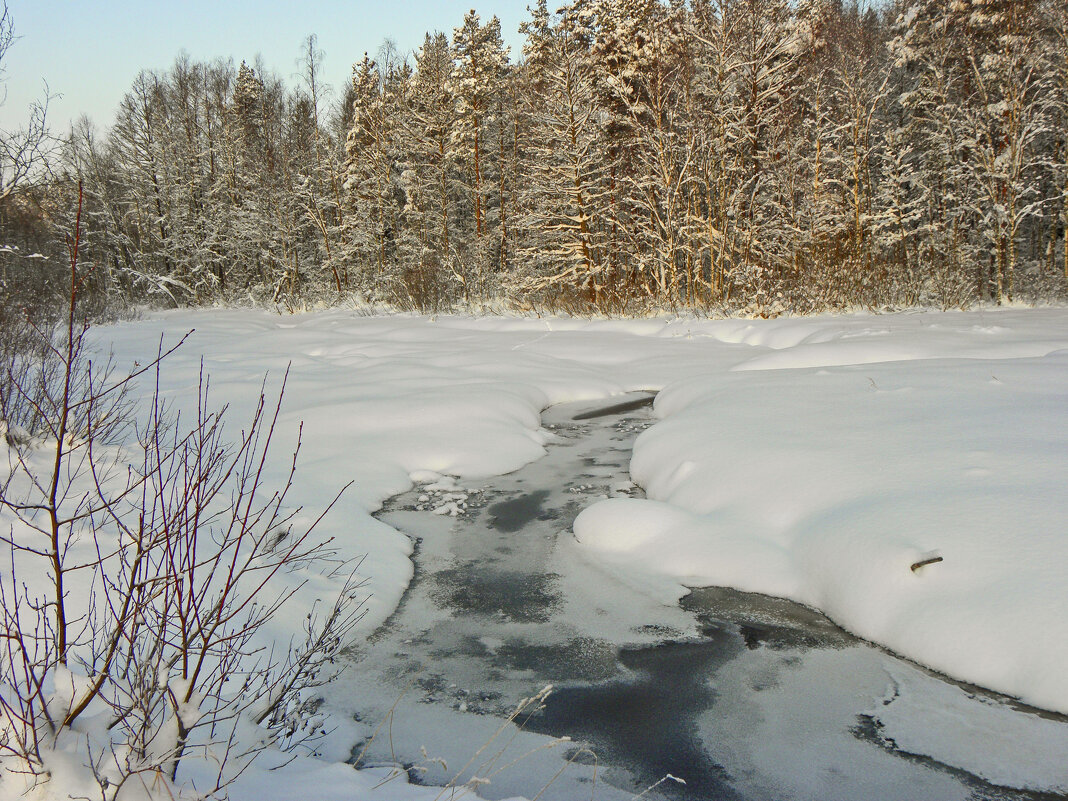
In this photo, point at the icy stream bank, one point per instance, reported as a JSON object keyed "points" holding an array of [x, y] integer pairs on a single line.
{"points": [[739, 695]]}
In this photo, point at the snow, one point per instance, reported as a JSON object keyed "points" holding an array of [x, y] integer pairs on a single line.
{"points": [[815, 459]]}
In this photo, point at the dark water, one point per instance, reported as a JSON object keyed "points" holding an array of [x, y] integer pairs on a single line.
{"points": [[512, 515], [647, 720]]}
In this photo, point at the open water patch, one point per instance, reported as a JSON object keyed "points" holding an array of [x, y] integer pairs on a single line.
{"points": [[647, 719], [512, 515]]}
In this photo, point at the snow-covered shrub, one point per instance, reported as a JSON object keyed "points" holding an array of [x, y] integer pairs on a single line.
{"points": [[145, 562]]}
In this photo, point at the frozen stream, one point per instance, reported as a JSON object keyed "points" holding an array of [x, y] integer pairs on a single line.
{"points": [[741, 696]]}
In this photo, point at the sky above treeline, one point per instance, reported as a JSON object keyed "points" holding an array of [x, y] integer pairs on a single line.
{"points": [[89, 52]]}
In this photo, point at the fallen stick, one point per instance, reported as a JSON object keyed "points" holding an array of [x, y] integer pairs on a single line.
{"points": [[924, 562]]}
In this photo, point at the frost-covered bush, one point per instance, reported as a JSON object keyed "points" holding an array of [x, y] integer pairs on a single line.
{"points": [[145, 562]]}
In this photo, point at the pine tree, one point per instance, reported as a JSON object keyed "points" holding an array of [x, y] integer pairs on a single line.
{"points": [[1057, 60], [248, 176], [371, 207], [716, 192], [618, 35], [844, 95], [430, 176], [481, 60], [665, 144], [1006, 116], [930, 72], [563, 200], [764, 77]]}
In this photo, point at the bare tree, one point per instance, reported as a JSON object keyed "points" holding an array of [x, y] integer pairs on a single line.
{"points": [[24, 151]]}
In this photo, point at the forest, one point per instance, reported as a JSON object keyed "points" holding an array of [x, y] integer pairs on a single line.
{"points": [[757, 157]]}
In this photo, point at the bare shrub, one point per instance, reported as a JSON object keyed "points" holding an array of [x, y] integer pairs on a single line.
{"points": [[145, 559]]}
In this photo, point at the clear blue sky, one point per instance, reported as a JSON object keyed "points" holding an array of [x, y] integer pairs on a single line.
{"points": [[90, 51]]}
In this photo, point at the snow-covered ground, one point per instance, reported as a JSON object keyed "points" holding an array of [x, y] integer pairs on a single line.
{"points": [[816, 459]]}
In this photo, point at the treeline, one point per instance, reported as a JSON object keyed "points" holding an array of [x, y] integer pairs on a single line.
{"points": [[760, 156]]}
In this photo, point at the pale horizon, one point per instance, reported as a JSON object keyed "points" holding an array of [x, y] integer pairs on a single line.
{"points": [[88, 54]]}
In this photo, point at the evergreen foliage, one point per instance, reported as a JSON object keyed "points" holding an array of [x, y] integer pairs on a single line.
{"points": [[754, 156]]}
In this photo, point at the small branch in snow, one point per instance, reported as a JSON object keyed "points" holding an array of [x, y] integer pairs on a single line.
{"points": [[924, 562]]}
